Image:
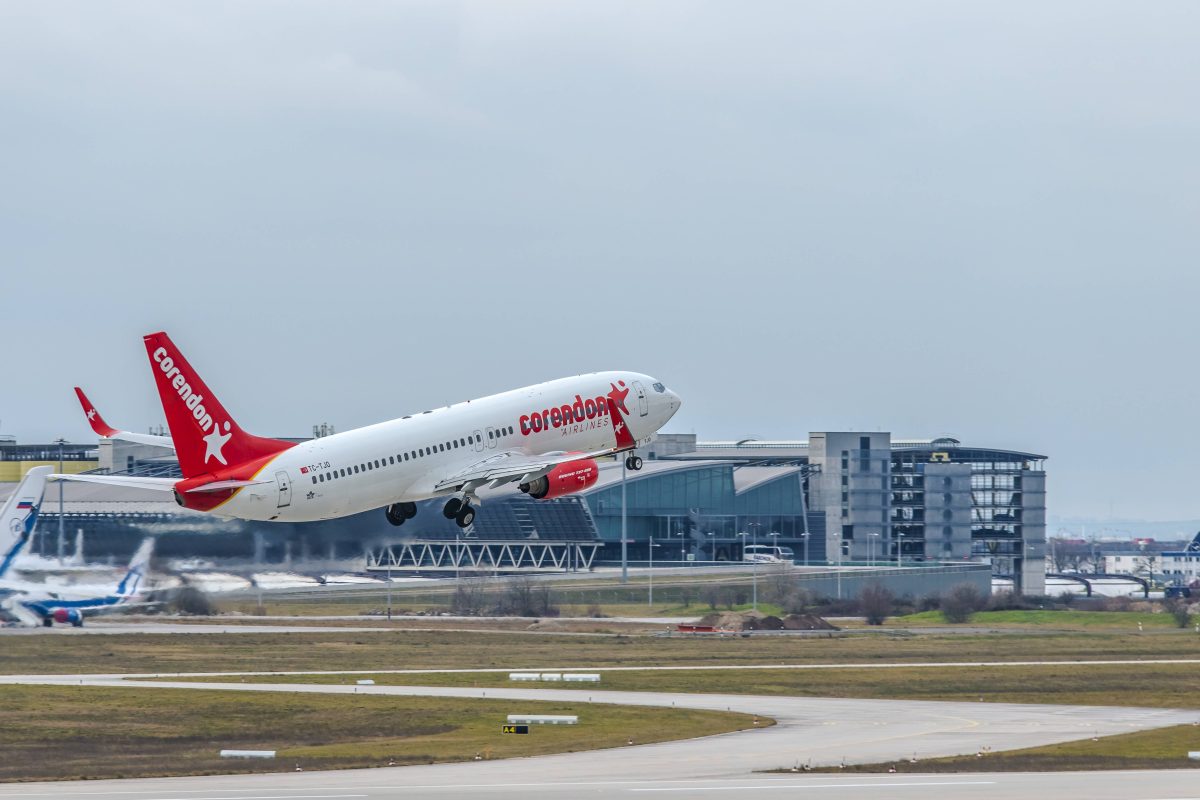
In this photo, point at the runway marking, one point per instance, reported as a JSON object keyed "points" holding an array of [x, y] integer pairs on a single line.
{"points": [[793, 785]]}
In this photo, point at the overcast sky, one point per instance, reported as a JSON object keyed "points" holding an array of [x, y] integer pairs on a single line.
{"points": [[977, 219]]}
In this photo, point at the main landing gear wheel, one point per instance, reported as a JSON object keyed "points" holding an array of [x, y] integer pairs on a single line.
{"points": [[397, 513], [465, 516], [452, 507], [633, 463]]}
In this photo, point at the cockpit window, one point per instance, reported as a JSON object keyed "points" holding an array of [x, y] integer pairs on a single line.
{"points": [[658, 387]]}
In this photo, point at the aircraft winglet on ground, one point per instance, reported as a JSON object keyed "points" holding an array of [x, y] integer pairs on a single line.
{"points": [[544, 437], [19, 515], [102, 428], [38, 604]]}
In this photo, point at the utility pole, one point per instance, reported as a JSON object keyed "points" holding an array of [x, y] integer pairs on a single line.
{"points": [[624, 544], [60, 441], [650, 601]]}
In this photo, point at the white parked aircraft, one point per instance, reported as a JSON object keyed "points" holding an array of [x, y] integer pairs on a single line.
{"points": [[45, 604], [543, 437]]}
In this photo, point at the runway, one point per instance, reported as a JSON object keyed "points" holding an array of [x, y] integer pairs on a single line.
{"points": [[819, 731]]}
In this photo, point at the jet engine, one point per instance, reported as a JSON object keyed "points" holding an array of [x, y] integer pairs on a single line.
{"points": [[65, 615], [571, 476]]}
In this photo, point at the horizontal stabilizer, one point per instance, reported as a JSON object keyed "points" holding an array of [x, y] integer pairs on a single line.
{"points": [[219, 486], [154, 484]]}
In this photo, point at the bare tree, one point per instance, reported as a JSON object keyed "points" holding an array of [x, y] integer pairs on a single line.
{"points": [[470, 597], [875, 603], [961, 602], [525, 598]]}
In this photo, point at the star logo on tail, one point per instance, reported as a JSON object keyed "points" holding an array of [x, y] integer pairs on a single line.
{"points": [[91, 413], [214, 442]]}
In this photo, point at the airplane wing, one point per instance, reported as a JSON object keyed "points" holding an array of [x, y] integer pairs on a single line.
{"points": [[102, 428], [511, 466], [154, 484]]}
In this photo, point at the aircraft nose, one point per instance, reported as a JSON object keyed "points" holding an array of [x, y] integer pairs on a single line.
{"points": [[674, 401]]}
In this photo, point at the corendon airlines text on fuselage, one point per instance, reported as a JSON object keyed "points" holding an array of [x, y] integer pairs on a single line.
{"points": [[590, 413]]}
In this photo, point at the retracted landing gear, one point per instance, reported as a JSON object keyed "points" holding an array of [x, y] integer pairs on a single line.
{"points": [[633, 463], [397, 513], [460, 510]]}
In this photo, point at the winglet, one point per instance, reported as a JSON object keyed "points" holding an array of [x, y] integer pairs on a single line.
{"points": [[94, 419]]}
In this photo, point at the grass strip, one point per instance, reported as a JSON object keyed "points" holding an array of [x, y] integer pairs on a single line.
{"points": [[1144, 685], [57, 733], [1161, 748], [388, 649]]}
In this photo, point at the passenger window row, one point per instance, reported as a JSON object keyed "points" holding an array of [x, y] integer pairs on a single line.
{"points": [[411, 455]]}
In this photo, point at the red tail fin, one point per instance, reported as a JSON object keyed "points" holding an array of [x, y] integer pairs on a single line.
{"points": [[206, 437], [97, 422]]}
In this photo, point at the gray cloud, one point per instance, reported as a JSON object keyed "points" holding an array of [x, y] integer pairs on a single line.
{"points": [[928, 217]]}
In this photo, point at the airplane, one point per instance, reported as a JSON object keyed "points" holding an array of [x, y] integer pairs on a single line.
{"points": [[19, 515], [545, 438], [33, 604]]}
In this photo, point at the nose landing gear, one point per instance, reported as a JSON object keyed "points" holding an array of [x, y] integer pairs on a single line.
{"points": [[633, 463], [397, 513]]}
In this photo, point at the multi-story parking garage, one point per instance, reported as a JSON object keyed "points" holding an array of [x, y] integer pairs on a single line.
{"points": [[837, 497]]}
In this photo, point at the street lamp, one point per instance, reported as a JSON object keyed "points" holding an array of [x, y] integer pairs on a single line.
{"points": [[624, 544], [650, 599], [837, 539], [900, 549], [871, 537], [805, 537], [754, 563], [60, 442]]}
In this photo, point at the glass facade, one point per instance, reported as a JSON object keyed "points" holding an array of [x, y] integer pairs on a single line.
{"points": [[696, 510]]}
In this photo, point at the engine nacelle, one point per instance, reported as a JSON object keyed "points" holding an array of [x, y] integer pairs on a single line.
{"points": [[64, 615], [572, 476]]}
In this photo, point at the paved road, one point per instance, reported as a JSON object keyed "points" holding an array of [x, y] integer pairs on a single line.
{"points": [[820, 731], [520, 779]]}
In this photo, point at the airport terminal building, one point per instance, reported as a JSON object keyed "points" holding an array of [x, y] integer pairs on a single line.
{"points": [[845, 498]]}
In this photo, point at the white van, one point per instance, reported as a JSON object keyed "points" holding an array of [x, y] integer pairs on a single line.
{"points": [[767, 554]]}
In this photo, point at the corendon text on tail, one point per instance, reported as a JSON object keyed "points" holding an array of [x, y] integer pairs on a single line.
{"points": [[544, 438]]}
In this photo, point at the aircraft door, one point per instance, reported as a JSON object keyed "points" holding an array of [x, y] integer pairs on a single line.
{"points": [[285, 489], [643, 404], [479, 445]]}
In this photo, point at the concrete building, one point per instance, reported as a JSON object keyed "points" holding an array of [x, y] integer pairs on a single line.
{"points": [[921, 500]]}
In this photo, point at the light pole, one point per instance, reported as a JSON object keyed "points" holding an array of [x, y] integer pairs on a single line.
{"points": [[900, 549], [837, 538], [871, 537], [754, 567], [60, 442], [805, 537], [754, 526], [624, 544], [650, 599]]}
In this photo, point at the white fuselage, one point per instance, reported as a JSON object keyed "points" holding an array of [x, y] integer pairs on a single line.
{"points": [[404, 460]]}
